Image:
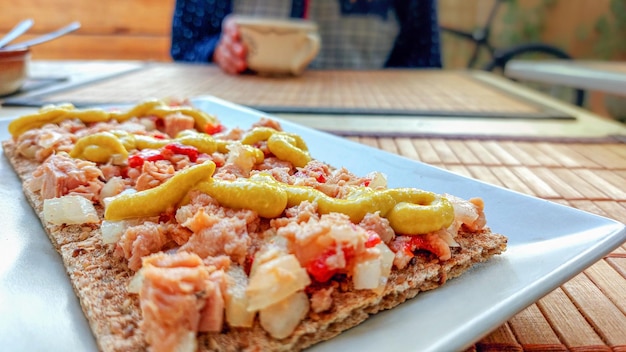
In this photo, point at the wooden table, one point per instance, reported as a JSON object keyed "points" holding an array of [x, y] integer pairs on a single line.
{"points": [[580, 163], [608, 77], [588, 313]]}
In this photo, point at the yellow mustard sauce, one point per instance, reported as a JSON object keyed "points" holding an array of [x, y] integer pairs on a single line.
{"points": [[410, 211], [153, 107]]}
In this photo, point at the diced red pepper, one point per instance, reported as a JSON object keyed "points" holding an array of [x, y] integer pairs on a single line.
{"points": [[213, 129], [165, 217], [158, 122], [367, 182], [188, 150], [138, 159], [418, 242], [124, 172], [247, 265], [372, 241], [321, 178], [319, 269]]}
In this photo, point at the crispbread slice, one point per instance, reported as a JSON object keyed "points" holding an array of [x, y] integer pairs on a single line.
{"points": [[100, 280]]}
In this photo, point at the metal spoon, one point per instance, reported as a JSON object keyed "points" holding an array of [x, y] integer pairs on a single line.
{"points": [[16, 31], [44, 38]]}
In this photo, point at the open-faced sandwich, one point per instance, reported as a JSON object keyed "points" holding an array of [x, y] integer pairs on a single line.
{"points": [[179, 234]]}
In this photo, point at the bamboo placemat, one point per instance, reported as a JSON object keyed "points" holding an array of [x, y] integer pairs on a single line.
{"points": [[588, 313], [386, 92]]}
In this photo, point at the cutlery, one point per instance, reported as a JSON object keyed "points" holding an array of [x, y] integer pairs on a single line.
{"points": [[45, 37], [18, 30]]}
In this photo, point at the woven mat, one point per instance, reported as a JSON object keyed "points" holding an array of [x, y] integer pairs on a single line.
{"points": [[35, 83], [387, 92], [588, 313]]}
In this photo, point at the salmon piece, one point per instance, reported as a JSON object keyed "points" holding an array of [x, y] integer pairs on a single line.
{"points": [[171, 300], [267, 122], [378, 225], [234, 134], [217, 230], [301, 213], [229, 237], [322, 300], [280, 170], [176, 123], [39, 144], [153, 174], [61, 175], [142, 240], [212, 315], [109, 171]]}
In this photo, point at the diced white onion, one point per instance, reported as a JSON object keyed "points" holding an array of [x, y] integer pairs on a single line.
{"points": [[188, 342], [373, 273], [242, 156], [345, 234], [386, 261], [282, 318], [112, 187], [118, 159], [275, 280], [112, 230], [236, 301], [134, 286], [366, 274], [378, 180], [149, 124], [69, 210]]}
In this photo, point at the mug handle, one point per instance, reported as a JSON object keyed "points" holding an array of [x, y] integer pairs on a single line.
{"points": [[314, 47]]}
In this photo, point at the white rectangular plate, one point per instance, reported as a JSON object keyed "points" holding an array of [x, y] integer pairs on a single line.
{"points": [[548, 244]]}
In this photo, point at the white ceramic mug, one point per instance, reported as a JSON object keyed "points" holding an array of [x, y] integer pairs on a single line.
{"points": [[278, 46]]}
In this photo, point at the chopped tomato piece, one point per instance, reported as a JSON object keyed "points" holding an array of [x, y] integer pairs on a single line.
{"points": [[187, 150], [319, 269], [138, 159], [419, 242], [372, 241], [213, 129]]}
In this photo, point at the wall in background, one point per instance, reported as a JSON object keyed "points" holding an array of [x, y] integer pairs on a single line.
{"points": [[586, 29], [124, 30]]}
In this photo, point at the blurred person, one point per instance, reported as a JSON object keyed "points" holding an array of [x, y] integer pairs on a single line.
{"points": [[355, 34]]}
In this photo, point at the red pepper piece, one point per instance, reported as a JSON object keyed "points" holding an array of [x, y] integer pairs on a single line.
{"points": [[188, 150], [372, 241], [419, 243], [319, 269], [138, 159], [213, 129]]}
